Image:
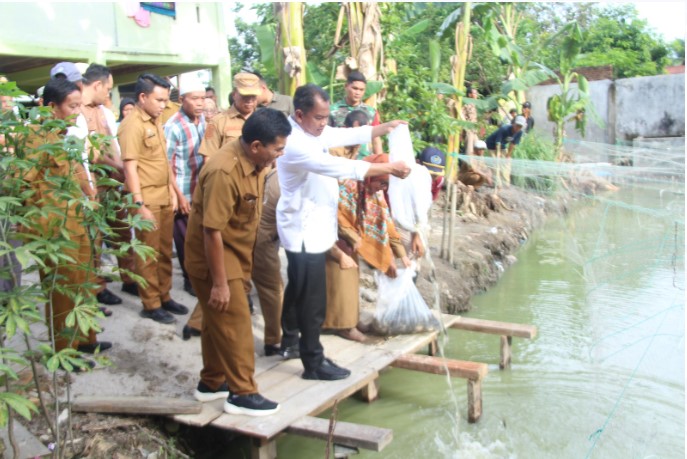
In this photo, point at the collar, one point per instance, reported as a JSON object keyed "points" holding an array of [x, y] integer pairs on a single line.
{"points": [[232, 112], [247, 167], [142, 113], [360, 105], [187, 118]]}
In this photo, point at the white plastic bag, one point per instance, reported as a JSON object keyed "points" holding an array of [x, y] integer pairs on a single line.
{"points": [[400, 307], [410, 198]]}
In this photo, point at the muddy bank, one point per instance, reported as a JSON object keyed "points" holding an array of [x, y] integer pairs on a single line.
{"points": [[489, 231]]}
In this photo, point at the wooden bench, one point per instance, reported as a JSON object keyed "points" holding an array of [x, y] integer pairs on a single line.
{"points": [[474, 372], [505, 329]]}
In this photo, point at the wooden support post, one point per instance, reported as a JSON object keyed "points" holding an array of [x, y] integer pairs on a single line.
{"points": [[370, 392], [474, 400], [506, 342], [263, 449], [433, 347]]}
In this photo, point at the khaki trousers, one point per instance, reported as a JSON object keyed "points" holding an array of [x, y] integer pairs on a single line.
{"points": [[73, 277], [343, 295], [270, 287], [195, 320], [157, 270], [227, 339]]}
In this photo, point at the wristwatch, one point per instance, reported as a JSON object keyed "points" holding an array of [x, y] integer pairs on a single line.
{"points": [[139, 203]]}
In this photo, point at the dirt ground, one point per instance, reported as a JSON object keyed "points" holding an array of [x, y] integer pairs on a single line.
{"points": [[151, 359]]}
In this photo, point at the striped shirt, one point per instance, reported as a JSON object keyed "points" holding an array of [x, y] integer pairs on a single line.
{"points": [[183, 142]]}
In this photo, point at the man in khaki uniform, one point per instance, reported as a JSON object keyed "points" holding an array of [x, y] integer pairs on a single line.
{"points": [[222, 129], [271, 99], [97, 84], [219, 255], [227, 126], [148, 176]]}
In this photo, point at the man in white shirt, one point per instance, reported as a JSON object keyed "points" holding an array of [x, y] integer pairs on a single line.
{"points": [[307, 219]]}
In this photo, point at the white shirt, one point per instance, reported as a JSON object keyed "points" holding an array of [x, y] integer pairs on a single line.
{"points": [[308, 178]]}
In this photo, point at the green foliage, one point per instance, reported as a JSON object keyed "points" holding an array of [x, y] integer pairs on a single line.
{"points": [[34, 239], [677, 50], [534, 147]]}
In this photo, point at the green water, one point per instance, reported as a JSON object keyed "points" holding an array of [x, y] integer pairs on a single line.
{"points": [[605, 376]]}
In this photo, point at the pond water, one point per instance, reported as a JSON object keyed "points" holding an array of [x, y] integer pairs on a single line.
{"points": [[604, 377]]}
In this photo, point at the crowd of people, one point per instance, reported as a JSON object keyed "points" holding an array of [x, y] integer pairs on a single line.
{"points": [[227, 189]]}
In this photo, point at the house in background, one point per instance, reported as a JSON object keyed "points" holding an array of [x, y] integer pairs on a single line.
{"points": [[166, 38]]}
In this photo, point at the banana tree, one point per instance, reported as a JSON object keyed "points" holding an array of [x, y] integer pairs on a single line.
{"points": [[290, 49], [365, 43], [571, 103]]}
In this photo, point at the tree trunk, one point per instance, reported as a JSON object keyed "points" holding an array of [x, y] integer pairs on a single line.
{"points": [[365, 38], [290, 46]]}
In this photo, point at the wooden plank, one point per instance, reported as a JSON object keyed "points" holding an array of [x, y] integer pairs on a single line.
{"points": [[370, 393], [496, 328], [440, 366], [27, 444], [210, 411], [135, 405], [506, 342], [474, 400], [345, 433]]}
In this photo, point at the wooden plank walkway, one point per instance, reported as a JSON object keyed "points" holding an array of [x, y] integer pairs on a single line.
{"points": [[280, 380]]}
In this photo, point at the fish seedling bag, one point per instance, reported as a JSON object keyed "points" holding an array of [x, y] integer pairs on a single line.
{"points": [[400, 307]]}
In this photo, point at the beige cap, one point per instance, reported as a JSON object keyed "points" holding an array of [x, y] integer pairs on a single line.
{"points": [[247, 84]]}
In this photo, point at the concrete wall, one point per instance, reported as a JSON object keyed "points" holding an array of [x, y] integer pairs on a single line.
{"points": [[102, 32], [633, 107]]}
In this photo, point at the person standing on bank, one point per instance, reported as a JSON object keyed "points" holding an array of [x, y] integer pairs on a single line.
{"points": [[354, 91], [307, 219], [148, 179], [184, 132], [219, 256], [510, 135]]}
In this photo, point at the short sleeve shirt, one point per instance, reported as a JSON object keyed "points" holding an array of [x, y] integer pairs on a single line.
{"points": [[281, 103], [504, 135], [228, 198], [341, 109], [220, 130], [142, 139]]}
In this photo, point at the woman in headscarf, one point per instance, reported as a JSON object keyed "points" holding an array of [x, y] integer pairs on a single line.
{"points": [[126, 106], [62, 216], [366, 230]]}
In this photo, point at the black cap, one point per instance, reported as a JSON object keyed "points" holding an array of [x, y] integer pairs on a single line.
{"points": [[527, 105]]}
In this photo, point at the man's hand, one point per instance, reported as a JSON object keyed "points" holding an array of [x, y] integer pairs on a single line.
{"points": [[173, 197], [346, 262], [219, 297], [184, 205], [400, 169], [146, 214], [391, 272], [416, 245], [386, 128], [406, 262]]}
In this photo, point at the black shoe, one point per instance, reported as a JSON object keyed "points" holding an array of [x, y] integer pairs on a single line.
{"points": [[327, 371], [158, 315], [131, 288], [250, 305], [290, 352], [203, 392], [174, 307], [188, 288], [188, 332], [106, 312], [92, 348], [250, 404], [108, 298], [272, 349]]}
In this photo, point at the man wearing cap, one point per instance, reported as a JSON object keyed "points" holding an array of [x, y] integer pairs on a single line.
{"points": [[474, 173], [527, 113], [469, 112], [227, 126], [69, 71], [510, 135], [184, 132]]}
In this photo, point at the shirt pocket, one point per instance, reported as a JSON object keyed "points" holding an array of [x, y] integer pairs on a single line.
{"points": [[232, 134], [247, 211], [152, 142]]}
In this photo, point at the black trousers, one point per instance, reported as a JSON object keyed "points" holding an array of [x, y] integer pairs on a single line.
{"points": [[305, 304], [180, 223]]}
